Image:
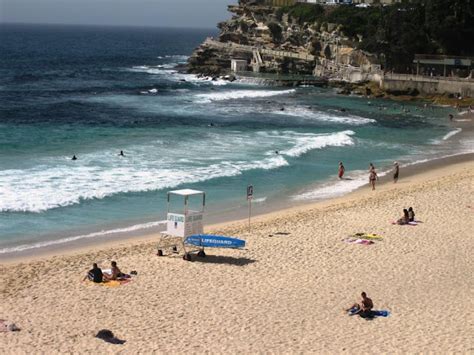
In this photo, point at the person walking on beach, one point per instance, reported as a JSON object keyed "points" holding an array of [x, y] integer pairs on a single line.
{"points": [[396, 172], [371, 167], [372, 178], [341, 170]]}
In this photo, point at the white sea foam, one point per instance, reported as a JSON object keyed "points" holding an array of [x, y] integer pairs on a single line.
{"points": [[103, 233], [305, 142], [259, 200], [153, 70], [41, 188], [309, 114], [353, 181], [452, 133], [240, 94]]}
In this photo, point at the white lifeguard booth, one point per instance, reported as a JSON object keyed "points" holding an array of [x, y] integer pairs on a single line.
{"points": [[183, 222]]}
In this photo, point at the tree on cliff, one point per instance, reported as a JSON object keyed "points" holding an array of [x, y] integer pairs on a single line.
{"points": [[276, 31]]}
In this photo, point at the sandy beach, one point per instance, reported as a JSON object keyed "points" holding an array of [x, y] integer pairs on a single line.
{"points": [[284, 294]]}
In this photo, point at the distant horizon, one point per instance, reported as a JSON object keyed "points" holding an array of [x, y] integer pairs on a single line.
{"points": [[104, 25]]}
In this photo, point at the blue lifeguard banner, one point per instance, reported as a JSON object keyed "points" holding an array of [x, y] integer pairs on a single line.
{"points": [[214, 241]]}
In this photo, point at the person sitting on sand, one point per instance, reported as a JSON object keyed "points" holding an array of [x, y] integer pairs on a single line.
{"points": [[411, 215], [364, 308], [405, 219], [95, 274], [115, 272], [341, 170]]}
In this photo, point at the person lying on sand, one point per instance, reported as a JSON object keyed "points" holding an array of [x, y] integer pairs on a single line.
{"points": [[95, 274], [115, 272], [364, 308]]}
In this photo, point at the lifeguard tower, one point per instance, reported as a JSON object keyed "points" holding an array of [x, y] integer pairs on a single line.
{"points": [[181, 222]]}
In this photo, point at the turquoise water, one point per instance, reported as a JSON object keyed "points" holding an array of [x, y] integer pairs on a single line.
{"points": [[92, 92]]}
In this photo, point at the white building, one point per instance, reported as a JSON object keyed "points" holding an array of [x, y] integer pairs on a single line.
{"points": [[238, 65]]}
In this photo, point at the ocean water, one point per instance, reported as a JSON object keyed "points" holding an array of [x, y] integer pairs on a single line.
{"points": [[93, 91]]}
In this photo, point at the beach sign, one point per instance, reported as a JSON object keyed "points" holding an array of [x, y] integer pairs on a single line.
{"points": [[249, 199], [214, 241], [249, 192]]}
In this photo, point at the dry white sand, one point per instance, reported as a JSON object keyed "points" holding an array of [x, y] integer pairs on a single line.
{"points": [[284, 294]]}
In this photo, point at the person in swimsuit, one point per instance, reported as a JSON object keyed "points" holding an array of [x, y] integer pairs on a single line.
{"points": [[396, 172], [341, 170], [364, 308], [372, 178], [74, 157], [405, 219], [411, 214], [115, 272], [121, 153]]}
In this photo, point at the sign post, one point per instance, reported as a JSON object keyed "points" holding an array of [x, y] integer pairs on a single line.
{"points": [[249, 199]]}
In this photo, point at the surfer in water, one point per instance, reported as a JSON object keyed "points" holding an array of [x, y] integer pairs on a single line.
{"points": [[121, 153], [74, 157], [341, 170]]}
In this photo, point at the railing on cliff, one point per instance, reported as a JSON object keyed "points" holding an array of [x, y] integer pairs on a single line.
{"points": [[433, 79], [250, 49]]}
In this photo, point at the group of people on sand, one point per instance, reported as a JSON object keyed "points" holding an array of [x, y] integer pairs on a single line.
{"points": [[97, 275], [373, 177], [408, 216]]}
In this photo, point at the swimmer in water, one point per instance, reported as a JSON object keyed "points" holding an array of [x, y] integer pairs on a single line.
{"points": [[74, 157], [121, 153]]}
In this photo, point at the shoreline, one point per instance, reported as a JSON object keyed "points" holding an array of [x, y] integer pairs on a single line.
{"points": [[416, 171], [295, 276]]}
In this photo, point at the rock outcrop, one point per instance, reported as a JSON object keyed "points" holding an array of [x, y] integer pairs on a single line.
{"points": [[273, 41]]}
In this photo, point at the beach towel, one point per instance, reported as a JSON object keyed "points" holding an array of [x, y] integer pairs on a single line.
{"points": [[373, 314], [368, 236], [414, 223], [111, 283], [358, 241]]}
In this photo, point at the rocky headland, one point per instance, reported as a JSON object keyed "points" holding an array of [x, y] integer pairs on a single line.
{"points": [[342, 46]]}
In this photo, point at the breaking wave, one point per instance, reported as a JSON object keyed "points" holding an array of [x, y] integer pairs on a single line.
{"points": [[240, 94]]}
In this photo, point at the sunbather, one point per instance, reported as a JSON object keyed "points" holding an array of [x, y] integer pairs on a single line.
{"points": [[115, 272], [95, 274], [364, 308], [405, 219]]}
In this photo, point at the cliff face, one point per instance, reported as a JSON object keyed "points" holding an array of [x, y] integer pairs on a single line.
{"points": [[273, 41]]}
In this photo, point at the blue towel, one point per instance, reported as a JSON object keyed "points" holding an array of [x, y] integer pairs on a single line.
{"points": [[382, 313]]}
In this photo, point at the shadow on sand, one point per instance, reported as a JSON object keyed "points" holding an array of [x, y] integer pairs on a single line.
{"points": [[218, 259]]}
